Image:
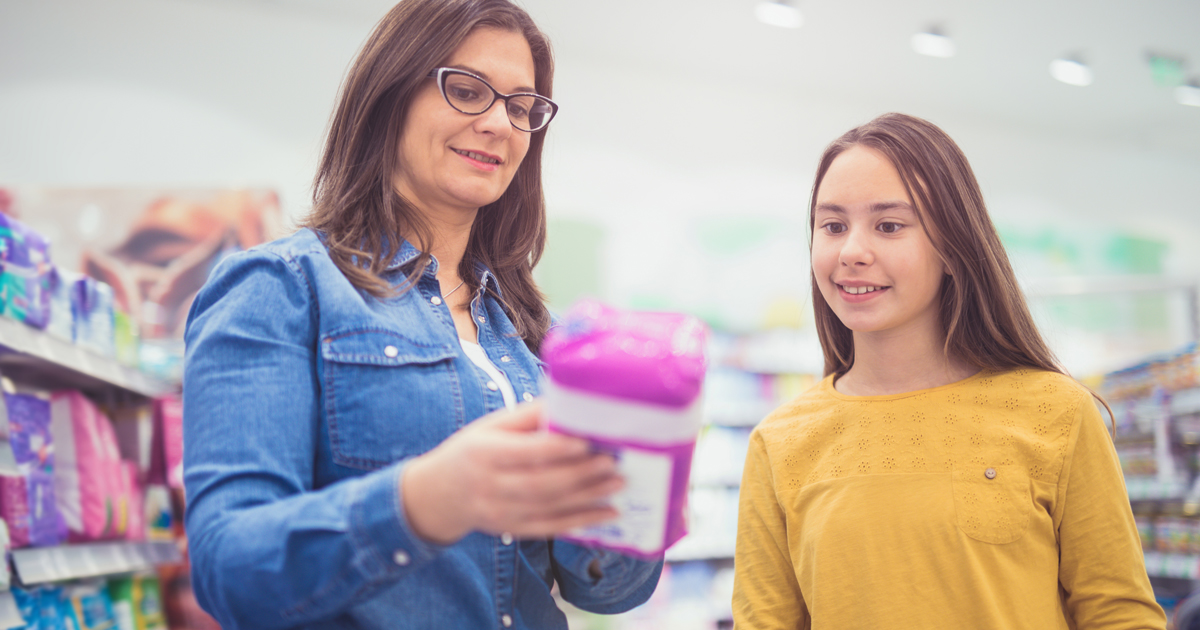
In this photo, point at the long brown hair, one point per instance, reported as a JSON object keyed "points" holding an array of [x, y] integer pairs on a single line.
{"points": [[982, 310], [357, 210]]}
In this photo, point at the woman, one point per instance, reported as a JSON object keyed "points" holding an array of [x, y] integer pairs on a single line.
{"points": [[338, 470], [946, 473]]}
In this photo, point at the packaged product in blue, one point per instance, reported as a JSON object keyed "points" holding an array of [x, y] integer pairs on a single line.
{"points": [[50, 612], [27, 605], [92, 312], [62, 286], [92, 606], [25, 273]]}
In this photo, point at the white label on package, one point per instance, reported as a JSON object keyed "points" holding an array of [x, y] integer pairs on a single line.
{"points": [[642, 504]]}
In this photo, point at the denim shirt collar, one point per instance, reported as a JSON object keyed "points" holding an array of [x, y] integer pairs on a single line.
{"points": [[408, 253]]}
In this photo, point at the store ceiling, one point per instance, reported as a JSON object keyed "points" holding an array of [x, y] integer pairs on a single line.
{"points": [[859, 52]]}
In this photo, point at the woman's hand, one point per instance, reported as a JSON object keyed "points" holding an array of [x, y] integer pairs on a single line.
{"points": [[501, 474]]}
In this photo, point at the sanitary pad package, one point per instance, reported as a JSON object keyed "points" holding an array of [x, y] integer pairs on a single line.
{"points": [[630, 382], [25, 273], [92, 313], [88, 477], [27, 500]]}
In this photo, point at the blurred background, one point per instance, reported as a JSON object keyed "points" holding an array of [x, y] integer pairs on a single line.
{"points": [[679, 168]]}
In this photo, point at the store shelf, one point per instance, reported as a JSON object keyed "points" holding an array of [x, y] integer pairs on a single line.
{"points": [[72, 562], [1173, 565], [1153, 489], [1185, 402], [40, 359]]}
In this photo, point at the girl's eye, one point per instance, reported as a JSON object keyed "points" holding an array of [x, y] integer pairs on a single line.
{"points": [[834, 228], [889, 227]]}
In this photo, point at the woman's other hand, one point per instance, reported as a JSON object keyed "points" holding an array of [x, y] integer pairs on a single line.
{"points": [[501, 474]]}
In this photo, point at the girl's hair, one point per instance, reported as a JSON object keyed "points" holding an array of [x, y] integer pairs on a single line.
{"points": [[357, 210], [982, 310]]}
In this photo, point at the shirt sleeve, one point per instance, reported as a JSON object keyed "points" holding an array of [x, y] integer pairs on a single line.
{"points": [[601, 581], [1101, 568], [766, 594], [267, 550]]}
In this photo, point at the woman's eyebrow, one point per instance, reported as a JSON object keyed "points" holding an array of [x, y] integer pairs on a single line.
{"points": [[483, 75]]}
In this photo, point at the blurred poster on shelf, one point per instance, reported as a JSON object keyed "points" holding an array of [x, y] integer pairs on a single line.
{"points": [[154, 246]]}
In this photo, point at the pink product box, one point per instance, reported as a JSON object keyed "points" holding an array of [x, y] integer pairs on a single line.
{"points": [[89, 477], [630, 382], [25, 273]]}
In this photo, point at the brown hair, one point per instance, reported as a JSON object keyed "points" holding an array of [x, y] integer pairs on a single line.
{"points": [[356, 209], [982, 310]]}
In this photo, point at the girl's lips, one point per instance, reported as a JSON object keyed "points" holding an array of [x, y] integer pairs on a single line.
{"points": [[856, 298]]}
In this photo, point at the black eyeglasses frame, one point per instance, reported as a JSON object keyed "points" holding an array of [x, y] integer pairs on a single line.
{"points": [[439, 74]]}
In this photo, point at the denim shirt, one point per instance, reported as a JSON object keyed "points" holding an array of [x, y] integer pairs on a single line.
{"points": [[303, 399]]}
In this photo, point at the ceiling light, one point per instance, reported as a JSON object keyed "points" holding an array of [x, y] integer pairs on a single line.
{"points": [[778, 13], [1071, 71], [933, 43], [1189, 93]]}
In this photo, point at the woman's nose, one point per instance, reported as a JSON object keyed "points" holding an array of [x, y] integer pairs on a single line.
{"points": [[495, 119]]}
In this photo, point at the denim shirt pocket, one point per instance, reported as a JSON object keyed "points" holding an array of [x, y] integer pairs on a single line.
{"points": [[387, 397]]}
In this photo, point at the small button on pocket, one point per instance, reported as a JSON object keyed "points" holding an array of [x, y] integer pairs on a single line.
{"points": [[992, 504]]}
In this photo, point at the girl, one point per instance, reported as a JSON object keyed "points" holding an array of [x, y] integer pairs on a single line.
{"points": [[357, 456], [946, 473]]}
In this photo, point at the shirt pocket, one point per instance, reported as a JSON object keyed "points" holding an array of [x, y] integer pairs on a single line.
{"points": [[993, 503], [387, 397]]}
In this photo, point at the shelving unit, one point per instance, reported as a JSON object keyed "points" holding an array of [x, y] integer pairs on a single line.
{"points": [[34, 358], [73, 562], [43, 360]]}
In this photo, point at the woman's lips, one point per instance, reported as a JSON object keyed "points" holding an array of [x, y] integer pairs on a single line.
{"points": [[482, 161]]}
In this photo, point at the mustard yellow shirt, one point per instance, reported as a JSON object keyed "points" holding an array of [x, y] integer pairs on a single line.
{"points": [[994, 502]]}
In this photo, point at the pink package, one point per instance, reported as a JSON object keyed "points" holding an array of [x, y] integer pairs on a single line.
{"points": [[630, 382], [87, 477], [166, 456], [136, 523]]}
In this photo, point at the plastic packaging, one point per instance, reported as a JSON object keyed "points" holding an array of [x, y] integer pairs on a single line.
{"points": [[630, 382]]}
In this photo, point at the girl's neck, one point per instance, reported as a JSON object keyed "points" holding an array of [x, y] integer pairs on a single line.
{"points": [[895, 363]]}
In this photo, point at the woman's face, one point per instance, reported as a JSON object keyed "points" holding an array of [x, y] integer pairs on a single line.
{"points": [[454, 161], [874, 263]]}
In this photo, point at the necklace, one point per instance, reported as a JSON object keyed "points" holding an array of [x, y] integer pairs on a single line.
{"points": [[454, 289]]}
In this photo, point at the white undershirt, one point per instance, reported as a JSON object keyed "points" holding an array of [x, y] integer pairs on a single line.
{"points": [[477, 356]]}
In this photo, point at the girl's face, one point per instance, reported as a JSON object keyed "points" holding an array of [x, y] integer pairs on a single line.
{"points": [[452, 160], [874, 263]]}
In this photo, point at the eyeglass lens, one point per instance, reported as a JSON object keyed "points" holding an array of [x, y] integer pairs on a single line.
{"points": [[472, 96]]}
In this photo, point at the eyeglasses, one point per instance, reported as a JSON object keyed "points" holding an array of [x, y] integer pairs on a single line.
{"points": [[472, 95]]}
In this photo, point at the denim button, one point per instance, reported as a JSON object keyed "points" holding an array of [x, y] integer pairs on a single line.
{"points": [[436, 300], [482, 319], [506, 538], [401, 558], [505, 359], [506, 620], [492, 385], [391, 352], [527, 396]]}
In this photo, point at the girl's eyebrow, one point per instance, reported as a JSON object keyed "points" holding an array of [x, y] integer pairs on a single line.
{"points": [[881, 206]]}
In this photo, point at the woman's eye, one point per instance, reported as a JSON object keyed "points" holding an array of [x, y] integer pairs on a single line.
{"points": [[463, 94], [889, 228], [518, 112]]}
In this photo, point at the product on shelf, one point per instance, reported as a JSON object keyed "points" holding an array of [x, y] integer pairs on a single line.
{"points": [[90, 476], [27, 499], [61, 322], [25, 273], [125, 339], [136, 602], [630, 383], [92, 313], [166, 458], [92, 605]]}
